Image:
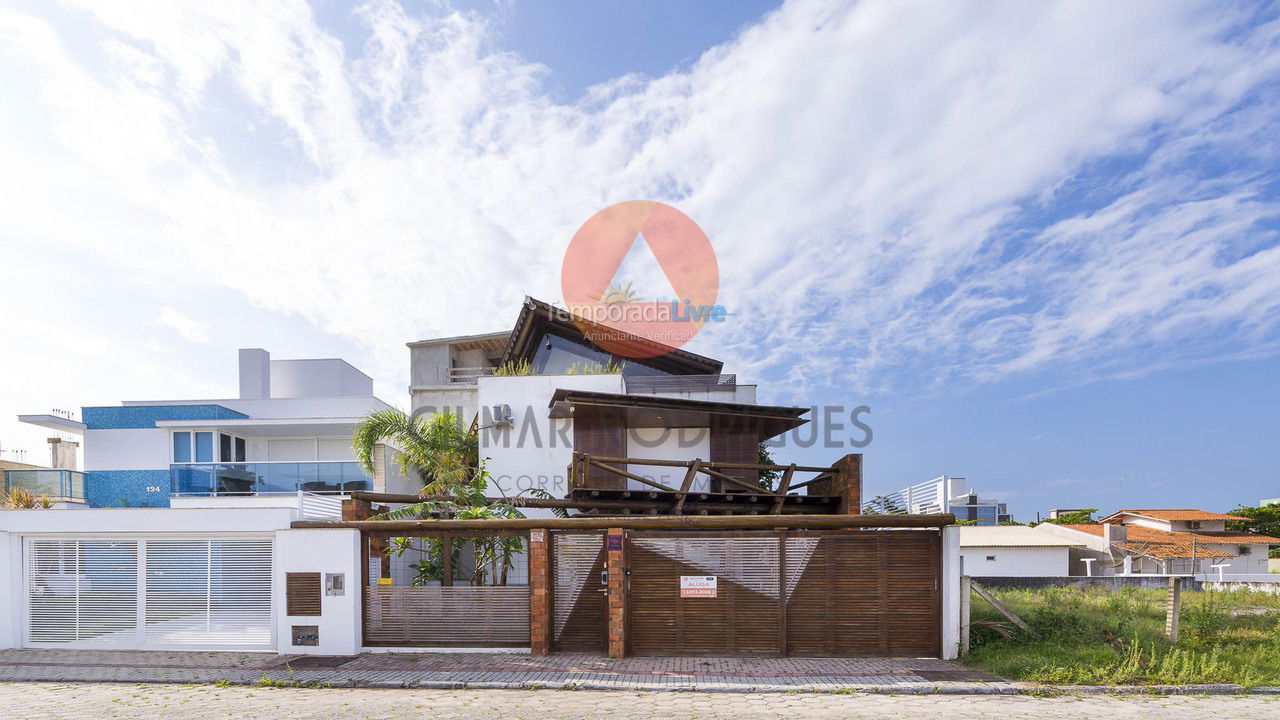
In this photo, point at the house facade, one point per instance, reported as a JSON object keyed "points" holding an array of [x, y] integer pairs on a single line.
{"points": [[288, 430], [945, 493], [1166, 542], [244, 523], [1015, 551]]}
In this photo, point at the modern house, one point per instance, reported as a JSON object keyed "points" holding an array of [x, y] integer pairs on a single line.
{"points": [[945, 493], [1165, 542], [260, 532], [289, 430], [1015, 551]]}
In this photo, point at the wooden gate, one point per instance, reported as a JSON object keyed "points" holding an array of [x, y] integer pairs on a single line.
{"points": [[861, 593], [578, 596]]}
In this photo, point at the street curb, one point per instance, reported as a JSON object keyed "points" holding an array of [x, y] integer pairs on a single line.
{"points": [[969, 689]]}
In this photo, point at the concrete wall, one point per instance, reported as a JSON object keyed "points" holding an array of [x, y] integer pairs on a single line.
{"points": [[321, 551], [429, 365], [950, 592], [535, 451], [1015, 561]]}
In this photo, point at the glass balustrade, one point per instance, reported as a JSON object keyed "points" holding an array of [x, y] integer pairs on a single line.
{"points": [[56, 485], [250, 478]]}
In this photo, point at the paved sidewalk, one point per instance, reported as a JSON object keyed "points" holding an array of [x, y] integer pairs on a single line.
{"points": [[511, 671], [91, 701]]}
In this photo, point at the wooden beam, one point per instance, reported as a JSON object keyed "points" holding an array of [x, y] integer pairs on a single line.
{"points": [[714, 465], [782, 489], [688, 483], [985, 595], [633, 476], [669, 522], [732, 480]]}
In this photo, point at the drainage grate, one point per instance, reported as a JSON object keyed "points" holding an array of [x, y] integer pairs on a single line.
{"points": [[313, 662]]}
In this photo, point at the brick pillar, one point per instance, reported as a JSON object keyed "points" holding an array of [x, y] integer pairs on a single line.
{"points": [[539, 593], [615, 544], [846, 484]]}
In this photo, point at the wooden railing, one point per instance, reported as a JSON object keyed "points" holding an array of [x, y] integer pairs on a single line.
{"points": [[581, 465]]}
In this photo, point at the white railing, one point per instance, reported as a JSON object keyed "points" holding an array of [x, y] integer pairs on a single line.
{"points": [[313, 506], [922, 498]]}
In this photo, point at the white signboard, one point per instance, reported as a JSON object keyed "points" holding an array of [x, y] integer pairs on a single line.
{"points": [[698, 586]]}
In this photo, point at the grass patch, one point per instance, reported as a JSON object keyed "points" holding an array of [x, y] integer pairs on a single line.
{"points": [[1104, 636]]}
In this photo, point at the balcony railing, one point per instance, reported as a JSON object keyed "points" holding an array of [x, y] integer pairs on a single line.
{"points": [[680, 383], [467, 375], [56, 485], [256, 478]]}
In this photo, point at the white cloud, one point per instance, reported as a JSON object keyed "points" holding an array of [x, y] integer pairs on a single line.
{"points": [[899, 193], [190, 330]]}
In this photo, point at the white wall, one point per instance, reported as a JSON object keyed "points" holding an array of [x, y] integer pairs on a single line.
{"points": [[950, 592], [535, 451], [322, 551], [317, 379], [682, 444], [1017, 561], [134, 449], [10, 610], [135, 521]]}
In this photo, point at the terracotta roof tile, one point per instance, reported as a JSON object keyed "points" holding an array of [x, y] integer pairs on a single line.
{"points": [[1177, 515], [1162, 544]]}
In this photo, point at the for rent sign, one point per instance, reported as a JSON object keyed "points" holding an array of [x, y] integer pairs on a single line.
{"points": [[698, 586]]}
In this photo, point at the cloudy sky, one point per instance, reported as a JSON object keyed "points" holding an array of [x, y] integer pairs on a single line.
{"points": [[1039, 240]]}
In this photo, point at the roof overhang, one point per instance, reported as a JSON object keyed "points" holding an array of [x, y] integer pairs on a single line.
{"points": [[652, 411], [53, 422], [276, 427], [537, 317], [490, 342]]}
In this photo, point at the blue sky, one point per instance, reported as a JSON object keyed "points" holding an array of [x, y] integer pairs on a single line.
{"points": [[1038, 240]]}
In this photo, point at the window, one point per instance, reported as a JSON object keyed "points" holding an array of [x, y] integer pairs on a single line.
{"points": [[991, 558], [1193, 524], [204, 447], [182, 447], [198, 446]]}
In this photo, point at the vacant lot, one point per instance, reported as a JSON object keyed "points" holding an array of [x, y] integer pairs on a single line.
{"points": [[1104, 636]]}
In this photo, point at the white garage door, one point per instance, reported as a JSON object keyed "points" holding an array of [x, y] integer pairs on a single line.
{"points": [[154, 594]]}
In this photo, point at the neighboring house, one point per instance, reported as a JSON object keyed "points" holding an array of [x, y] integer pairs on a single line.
{"points": [[1269, 501], [1014, 551], [1167, 542], [945, 493], [289, 430]]}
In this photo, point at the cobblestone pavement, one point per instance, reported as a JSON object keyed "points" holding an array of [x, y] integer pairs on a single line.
{"points": [[92, 701], [504, 670]]}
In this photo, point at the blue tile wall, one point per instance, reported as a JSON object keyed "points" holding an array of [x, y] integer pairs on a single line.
{"points": [[145, 416], [126, 488]]}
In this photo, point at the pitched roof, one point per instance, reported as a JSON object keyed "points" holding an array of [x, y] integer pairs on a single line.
{"points": [[1164, 544], [1174, 515], [1011, 536]]}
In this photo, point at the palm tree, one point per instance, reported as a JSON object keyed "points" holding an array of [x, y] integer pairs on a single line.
{"points": [[447, 460]]}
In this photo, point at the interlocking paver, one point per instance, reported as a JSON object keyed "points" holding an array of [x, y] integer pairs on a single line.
{"points": [[725, 674], [85, 701]]}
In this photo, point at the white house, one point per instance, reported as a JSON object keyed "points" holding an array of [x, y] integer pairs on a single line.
{"points": [[1014, 551], [945, 493], [288, 430]]}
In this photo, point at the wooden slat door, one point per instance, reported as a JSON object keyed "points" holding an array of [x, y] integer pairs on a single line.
{"points": [[742, 619], [864, 594], [579, 603], [601, 433]]}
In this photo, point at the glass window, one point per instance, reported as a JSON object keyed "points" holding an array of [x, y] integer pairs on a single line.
{"points": [[224, 447], [204, 447], [240, 449], [556, 354], [182, 447]]}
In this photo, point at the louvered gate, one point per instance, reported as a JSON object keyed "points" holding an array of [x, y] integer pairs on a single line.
{"points": [[860, 593], [577, 595], [151, 594]]}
